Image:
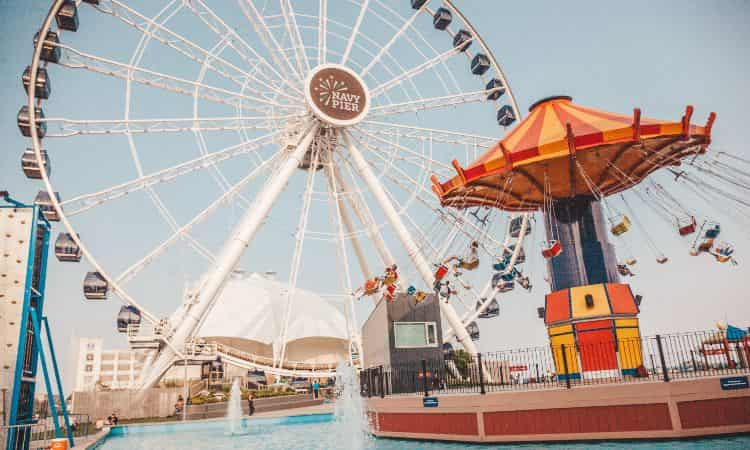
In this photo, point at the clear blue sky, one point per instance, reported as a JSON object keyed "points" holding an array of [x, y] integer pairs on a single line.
{"points": [[658, 56]]}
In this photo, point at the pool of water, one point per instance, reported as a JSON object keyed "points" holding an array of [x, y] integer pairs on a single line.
{"points": [[322, 431]]}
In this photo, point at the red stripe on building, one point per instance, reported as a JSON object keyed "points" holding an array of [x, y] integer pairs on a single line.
{"points": [[441, 423], [715, 412]]}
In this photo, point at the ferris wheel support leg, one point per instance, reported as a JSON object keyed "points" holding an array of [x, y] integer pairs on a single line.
{"points": [[233, 249], [372, 182]]}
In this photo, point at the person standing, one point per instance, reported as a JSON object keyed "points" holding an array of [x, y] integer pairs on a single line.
{"points": [[250, 404], [316, 389]]}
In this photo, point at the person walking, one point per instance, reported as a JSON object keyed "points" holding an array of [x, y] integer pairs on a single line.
{"points": [[316, 389]]}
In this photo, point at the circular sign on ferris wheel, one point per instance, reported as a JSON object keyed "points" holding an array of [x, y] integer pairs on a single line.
{"points": [[337, 95]]}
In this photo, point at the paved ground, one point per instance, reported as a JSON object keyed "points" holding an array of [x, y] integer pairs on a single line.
{"points": [[325, 408]]}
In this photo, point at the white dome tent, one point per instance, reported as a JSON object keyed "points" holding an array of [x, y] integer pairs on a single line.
{"points": [[247, 317]]}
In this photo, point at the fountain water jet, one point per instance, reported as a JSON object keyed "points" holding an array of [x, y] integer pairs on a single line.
{"points": [[234, 409], [351, 424]]}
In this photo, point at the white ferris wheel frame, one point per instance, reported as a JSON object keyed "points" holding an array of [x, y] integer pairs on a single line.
{"points": [[174, 344]]}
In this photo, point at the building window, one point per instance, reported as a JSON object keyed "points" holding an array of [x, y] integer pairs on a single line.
{"points": [[415, 334], [89, 357], [89, 368], [90, 346]]}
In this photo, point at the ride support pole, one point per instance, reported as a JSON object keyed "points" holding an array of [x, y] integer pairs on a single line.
{"points": [[481, 374], [661, 359]]}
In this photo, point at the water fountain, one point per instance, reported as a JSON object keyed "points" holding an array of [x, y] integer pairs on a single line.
{"points": [[351, 423], [234, 409]]}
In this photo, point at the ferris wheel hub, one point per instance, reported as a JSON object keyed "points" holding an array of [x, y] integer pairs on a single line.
{"points": [[337, 95]]}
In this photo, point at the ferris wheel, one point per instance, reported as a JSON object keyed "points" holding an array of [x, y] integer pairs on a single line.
{"points": [[299, 124]]}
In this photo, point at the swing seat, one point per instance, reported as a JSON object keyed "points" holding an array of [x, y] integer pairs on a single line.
{"points": [[623, 270], [621, 227], [420, 296], [723, 259], [390, 293], [552, 249], [441, 272], [631, 261], [713, 231], [686, 226], [468, 264], [706, 245], [372, 286], [662, 259], [411, 290], [525, 283], [505, 286], [390, 278]]}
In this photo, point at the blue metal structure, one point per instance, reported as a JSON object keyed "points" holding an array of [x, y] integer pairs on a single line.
{"points": [[30, 349]]}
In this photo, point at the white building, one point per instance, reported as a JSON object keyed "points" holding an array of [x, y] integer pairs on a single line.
{"points": [[113, 369]]}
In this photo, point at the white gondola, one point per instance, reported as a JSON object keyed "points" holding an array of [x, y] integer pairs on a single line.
{"points": [[473, 330], [492, 310], [496, 84], [66, 249], [45, 204], [541, 312], [42, 88], [128, 316], [30, 166], [480, 64], [442, 18], [24, 122], [506, 116], [462, 40], [67, 16], [50, 52], [95, 287], [515, 227]]}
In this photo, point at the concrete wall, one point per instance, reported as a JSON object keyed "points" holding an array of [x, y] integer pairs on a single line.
{"points": [[646, 410], [127, 404], [375, 337]]}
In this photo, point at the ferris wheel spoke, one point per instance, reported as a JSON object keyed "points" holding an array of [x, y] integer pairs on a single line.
{"points": [[266, 36], [85, 202], [408, 75], [342, 223], [217, 25], [78, 127], [322, 31], [427, 199], [184, 231], [418, 159], [292, 29], [355, 31], [298, 247], [179, 43], [76, 59], [428, 134], [433, 103], [404, 27]]}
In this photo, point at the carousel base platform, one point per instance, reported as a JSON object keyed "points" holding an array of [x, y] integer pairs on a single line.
{"points": [[646, 410]]}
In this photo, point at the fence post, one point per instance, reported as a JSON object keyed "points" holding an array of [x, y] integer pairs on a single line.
{"points": [[565, 366], [481, 374], [424, 378], [382, 383], [661, 358]]}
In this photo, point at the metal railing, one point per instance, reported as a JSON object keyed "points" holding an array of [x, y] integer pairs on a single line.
{"points": [[37, 435], [654, 358]]}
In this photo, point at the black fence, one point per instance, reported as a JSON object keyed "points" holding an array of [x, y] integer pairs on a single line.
{"points": [[654, 358]]}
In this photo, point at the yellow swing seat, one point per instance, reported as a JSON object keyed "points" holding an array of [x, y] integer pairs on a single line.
{"points": [[622, 226], [468, 264]]}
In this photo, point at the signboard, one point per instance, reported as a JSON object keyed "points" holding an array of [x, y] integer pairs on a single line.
{"points": [[337, 95], [430, 402], [730, 383], [519, 368]]}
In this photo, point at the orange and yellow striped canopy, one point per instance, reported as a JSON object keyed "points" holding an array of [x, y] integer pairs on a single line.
{"points": [[563, 150]]}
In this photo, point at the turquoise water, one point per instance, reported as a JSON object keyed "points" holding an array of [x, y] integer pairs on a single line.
{"points": [[319, 432]]}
